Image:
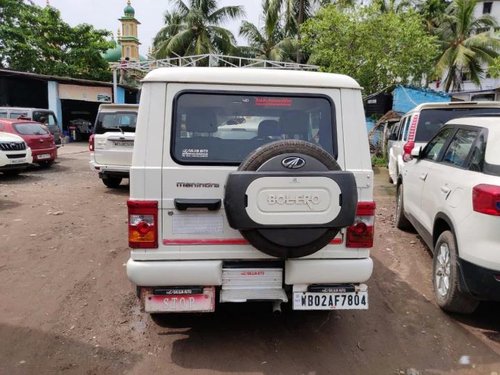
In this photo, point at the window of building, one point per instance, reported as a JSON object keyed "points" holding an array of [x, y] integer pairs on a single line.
{"points": [[487, 7]]}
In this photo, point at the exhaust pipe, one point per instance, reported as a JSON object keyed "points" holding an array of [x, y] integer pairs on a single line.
{"points": [[277, 307]]}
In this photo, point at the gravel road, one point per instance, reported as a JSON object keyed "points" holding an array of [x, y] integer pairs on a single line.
{"points": [[67, 306]]}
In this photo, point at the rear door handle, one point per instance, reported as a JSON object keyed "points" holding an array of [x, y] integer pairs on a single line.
{"points": [[423, 176], [209, 204]]}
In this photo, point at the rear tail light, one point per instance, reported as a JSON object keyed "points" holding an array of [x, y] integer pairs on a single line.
{"points": [[361, 233], [142, 224], [486, 199], [410, 144], [91, 142], [407, 150]]}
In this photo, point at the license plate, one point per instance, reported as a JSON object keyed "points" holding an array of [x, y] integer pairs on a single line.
{"points": [[330, 301], [43, 156], [17, 161], [200, 302], [124, 143]]}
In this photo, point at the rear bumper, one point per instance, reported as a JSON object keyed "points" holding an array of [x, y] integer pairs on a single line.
{"points": [[480, 282], [209, 272], [122, 171], [44, 151]]}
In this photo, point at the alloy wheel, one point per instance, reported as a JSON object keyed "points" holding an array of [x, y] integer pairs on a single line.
{"points": [[443, 270]]}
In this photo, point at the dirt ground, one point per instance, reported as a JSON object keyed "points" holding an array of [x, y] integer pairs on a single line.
{"points": [[67, 306]]}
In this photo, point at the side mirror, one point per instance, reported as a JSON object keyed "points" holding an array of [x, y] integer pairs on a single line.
{"points": [[416, 152]]}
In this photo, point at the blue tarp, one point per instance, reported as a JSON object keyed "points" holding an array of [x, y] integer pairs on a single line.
{"points": [[406, 98]]}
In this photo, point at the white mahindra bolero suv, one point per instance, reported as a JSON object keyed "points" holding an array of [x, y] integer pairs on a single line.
{"points": [[250, 185], [112, 142]]}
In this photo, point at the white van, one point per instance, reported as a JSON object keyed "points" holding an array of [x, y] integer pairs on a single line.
{"points": [[250, 185], [41, 115]]}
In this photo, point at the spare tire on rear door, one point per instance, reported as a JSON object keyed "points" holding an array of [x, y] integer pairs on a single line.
{"points": [[290, 198]]}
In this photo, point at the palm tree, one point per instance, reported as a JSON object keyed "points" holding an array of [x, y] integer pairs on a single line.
{"points": [[294, 13], [468, 44], [432, 12], [271, 42], [194, 29], [392, 6]]}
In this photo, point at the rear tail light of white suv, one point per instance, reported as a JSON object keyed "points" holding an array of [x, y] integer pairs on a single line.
{"points": [[486, 199], [361, 233], [91, 143], [410, 144], [142, 224]]}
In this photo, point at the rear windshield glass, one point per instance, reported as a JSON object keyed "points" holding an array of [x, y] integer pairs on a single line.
{"points": [[431, 120], [222, 128], [30, 129], [115, 121]]}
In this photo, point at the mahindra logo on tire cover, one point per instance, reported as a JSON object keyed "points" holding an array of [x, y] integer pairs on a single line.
{"points": [[293, 162]]}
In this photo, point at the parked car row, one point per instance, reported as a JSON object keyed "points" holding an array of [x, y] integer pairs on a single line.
{"points": [[448, 189], [23, 142], [43, 116]]}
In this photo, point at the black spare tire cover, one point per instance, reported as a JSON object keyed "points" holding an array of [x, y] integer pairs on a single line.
{"points": [[288, 172]]}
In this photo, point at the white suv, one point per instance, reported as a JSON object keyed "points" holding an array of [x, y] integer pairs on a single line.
{"points": [[15, 155], [252, 183], [112, 142], [451, 195], [419, 125]]}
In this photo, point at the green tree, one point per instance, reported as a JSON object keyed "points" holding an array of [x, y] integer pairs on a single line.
{"points": [[394, 6], [35, 39], [377, 49], [195, 29], [468, 44], [270, 42], [432, 11]]}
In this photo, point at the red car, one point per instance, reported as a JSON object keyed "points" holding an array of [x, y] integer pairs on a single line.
{"points": [[36, 135]]}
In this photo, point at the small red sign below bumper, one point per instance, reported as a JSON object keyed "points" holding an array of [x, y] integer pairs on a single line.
{"points": [[176, 303]]}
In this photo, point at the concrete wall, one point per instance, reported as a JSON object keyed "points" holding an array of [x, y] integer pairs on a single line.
{"points": [[54, 101], [120, 95]]}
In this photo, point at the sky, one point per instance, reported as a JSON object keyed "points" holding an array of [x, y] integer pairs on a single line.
{"points": [[104, 14]]}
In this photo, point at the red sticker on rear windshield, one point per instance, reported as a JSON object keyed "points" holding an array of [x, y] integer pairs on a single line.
{"points": [[273, 102]]}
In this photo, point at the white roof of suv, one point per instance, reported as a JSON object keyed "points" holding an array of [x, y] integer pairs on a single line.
{"points": [[441, 105], [251, 76]]}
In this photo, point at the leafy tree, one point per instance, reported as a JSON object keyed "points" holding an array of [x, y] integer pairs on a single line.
{"points": [[468, 44], [270, 42], [35, 39], [377, 49], [394, 6], [195, 29]]}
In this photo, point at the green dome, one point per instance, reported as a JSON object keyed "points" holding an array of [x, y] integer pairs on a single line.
{"points": [[113, 54], [129, 11]]}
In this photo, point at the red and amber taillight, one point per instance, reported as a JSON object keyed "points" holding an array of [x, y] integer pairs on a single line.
{"points": [[486, 199], [361, 233], [142, 224]]}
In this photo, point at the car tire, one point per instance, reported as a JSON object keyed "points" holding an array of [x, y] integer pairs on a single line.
{"points": [[112, 182], [287, 242], [446, 277], [399, 217]]}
